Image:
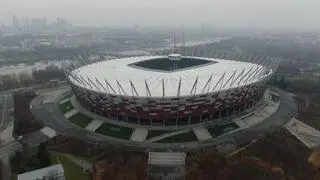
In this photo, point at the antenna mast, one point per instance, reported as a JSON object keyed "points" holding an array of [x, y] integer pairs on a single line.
{"points": [[174, 43], [183, 45]]}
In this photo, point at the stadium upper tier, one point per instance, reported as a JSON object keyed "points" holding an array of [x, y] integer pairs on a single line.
{"points": [[157, 76]]}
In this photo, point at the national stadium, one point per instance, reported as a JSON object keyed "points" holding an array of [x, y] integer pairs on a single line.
{"points": [[175, 100], [171, 90]]}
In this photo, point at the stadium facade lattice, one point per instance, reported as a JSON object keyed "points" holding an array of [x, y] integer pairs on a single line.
{"points": [[172, 90]]}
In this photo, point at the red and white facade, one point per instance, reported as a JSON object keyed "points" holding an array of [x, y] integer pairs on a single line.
{"points": [[211, 92]]}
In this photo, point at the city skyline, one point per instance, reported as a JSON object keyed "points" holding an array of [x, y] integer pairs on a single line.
{"points": [[245, 13]]}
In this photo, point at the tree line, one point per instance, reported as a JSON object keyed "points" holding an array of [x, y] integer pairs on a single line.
{"points": [[24, 121], [25, 79]]}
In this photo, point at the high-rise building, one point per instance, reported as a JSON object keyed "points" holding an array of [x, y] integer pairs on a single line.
{"points": [[15, 22]]}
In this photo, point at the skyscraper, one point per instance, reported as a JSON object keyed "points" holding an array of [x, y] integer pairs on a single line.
{"points": [[15, 22]]}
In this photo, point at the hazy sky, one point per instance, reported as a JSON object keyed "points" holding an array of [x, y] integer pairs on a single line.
{"points": [[260, 13]]}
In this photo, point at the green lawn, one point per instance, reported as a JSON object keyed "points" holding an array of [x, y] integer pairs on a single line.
{"points": [[155, 133], [71, 170], [184, 137], [219, 130], [65, 107], [115, 131], [80, 119]]}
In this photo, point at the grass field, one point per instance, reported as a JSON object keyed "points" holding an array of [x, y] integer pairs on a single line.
{"points": [[219, 130], [65, 107], [71, 170], [184, 137], [115, 131], [80, 119], [155, 133]]}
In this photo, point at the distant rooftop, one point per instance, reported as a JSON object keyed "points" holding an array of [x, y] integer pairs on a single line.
{"points": [[51, 171]]}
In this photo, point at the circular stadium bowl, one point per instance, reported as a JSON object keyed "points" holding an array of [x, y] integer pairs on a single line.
{"points": [[164, 91]]}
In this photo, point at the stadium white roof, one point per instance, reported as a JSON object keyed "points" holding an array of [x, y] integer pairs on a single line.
{"points": [[132, 81]]}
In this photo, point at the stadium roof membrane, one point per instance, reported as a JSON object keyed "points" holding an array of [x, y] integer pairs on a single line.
{"points": [[201, 78]]}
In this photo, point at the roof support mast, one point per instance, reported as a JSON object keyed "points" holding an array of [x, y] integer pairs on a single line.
{"points": [[163, 89], [207, 86], [179, 88], [194, 87], [133, 89], [147, 89]]}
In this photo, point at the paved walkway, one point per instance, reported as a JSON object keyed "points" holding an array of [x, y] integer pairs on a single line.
{"points": [[305, 133], [258, 115], [139, 134], [202, 133], [65, 100], [163, 136], [241, 123], [50, 133], [71, 113], [94, 125]]}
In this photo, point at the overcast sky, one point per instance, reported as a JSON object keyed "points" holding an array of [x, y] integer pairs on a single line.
{"points": [[301, 14]]}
